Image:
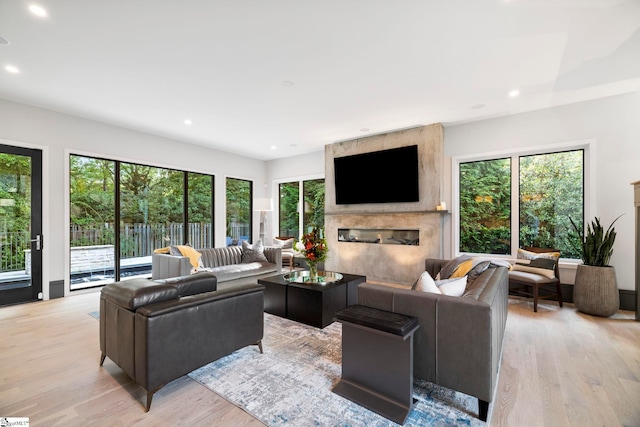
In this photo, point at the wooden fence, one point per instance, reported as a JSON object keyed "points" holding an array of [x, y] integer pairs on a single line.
{"points": [[137, 240]]}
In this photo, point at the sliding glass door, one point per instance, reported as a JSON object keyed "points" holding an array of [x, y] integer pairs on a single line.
{"points": [[21, 240]]}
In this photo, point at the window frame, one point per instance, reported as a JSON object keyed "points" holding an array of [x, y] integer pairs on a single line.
{"points": [[276, 194], [117, 200], [589, 196]]}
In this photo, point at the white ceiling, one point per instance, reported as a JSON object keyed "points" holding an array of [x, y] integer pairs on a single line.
{"points": [[299, 74]]}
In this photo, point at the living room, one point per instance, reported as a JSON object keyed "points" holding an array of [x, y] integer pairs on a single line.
{"points": [[606, 126]]}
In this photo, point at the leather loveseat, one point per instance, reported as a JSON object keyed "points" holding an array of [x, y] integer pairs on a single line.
{"points": [[459, 342], [158, 331]]}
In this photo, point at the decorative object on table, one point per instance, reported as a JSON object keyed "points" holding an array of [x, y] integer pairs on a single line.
{"points": [[595, 290], [314, 249], [290, 384]]}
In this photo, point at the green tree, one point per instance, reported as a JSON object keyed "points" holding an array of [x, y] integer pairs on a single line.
{"points": [[238, 203], [485, 206], [551, 192], [15, 209], [314, 204], [289, 214]]}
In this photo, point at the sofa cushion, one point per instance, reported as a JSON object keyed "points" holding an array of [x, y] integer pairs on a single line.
{"points": [[528, 277], [235, 271], [134, 293], [253, 253]]}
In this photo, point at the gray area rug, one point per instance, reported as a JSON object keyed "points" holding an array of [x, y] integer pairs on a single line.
{"points": [[290, 384]]}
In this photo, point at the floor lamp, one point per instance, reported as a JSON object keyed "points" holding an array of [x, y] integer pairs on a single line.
{"points": [[263, 205]]}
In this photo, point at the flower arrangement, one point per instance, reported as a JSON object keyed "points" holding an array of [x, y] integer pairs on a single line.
{"points": [[313, 247]]}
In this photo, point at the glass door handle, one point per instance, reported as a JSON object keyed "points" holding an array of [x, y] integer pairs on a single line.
{"points": [[38, 241]]}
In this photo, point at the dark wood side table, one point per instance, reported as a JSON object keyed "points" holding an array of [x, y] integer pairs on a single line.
{"points": [[377, 360]]}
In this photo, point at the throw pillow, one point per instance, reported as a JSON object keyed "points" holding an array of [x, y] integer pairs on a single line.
{"points": [[524, 254], [480, 265], [253, 253], [426, 284], [532, 256], [450, 269], [541, 266], [454, 287], [284, 244]]}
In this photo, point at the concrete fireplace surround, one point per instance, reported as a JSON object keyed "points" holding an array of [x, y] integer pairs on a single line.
{"points": [[388, 263]]}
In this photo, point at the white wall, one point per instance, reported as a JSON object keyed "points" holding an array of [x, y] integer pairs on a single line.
{"points": [[615, 126], [60, 134]]}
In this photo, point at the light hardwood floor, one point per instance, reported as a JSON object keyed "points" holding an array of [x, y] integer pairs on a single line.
{"points": [[559, 368]]}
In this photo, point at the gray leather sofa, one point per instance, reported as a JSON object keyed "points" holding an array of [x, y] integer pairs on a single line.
{"points": [[226, 263], [459, 342], [158, 331]]}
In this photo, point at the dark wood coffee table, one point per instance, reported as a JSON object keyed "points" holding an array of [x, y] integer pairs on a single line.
{"points": [[310, 303]]}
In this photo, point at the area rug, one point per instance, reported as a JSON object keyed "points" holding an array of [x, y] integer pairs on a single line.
{"points": [[290, 384]]}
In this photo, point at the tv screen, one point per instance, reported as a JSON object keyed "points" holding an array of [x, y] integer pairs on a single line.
{"points": [[388, 176]]}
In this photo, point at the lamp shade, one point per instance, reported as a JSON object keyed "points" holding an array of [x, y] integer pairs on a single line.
{"points": [[262, 204]]}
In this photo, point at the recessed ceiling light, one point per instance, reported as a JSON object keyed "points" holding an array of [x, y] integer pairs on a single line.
{"points": [[187, 122], [12, 69], [478, 106], [364, 130], [514, 93], [4, 41], [38, 10], [273, 147]]}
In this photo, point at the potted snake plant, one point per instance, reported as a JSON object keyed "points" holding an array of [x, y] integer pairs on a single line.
{"points": [[596, 289]]}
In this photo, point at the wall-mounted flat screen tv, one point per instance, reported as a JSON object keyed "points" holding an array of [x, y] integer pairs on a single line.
{"points": [[387, 176]]}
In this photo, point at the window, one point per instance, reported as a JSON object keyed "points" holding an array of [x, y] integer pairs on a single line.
{"points": [[313, 215], [300, 200], [92, 221], [200, 210], [551, 192], [239, 200], [485, 206], [121, 212], [289, 215], [549, 189]]}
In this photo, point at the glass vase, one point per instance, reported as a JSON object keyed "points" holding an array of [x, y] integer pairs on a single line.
{"points": [[313, 272]]}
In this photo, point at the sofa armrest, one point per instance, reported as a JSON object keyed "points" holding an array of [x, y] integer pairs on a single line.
{"points": [[164, 266], [274, 255]]}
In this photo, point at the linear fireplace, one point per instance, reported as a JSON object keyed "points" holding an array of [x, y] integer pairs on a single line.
{"points": [[379, 236]]}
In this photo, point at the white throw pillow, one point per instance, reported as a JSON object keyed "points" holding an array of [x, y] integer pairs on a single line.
{"points": [[453, 287], [426, 284]]}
